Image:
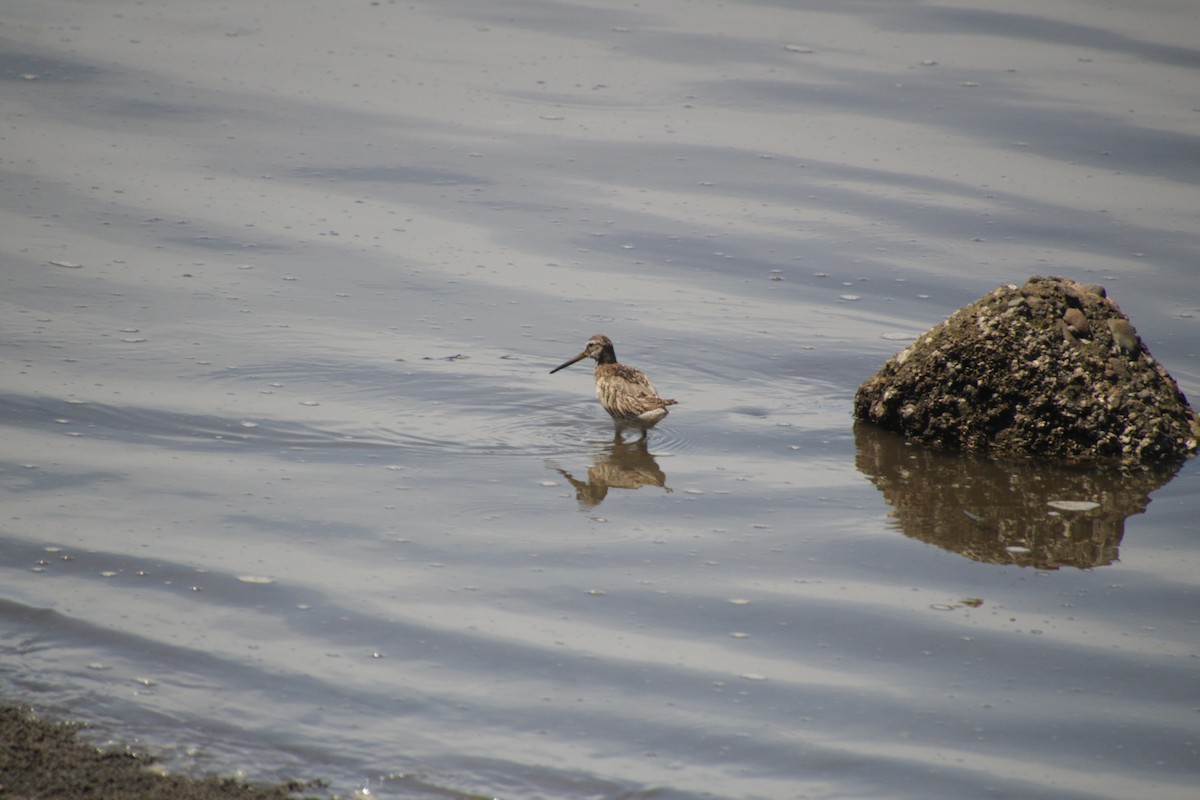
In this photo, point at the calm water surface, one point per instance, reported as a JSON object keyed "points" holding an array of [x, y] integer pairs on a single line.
{"points": [[288, 490]]}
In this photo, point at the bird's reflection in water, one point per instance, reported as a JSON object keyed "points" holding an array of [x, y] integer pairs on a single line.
{"points": [[1027, 513], [617, 465]]}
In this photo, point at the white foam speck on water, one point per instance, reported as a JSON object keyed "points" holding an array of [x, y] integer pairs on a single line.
{"points": [[1073, 505]]}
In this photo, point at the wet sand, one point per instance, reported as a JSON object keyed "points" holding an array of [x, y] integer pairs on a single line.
{"points": [[41, 759]]}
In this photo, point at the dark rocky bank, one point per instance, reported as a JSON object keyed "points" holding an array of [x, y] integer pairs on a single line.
{"points": [[1050, 370], [42, 760]]}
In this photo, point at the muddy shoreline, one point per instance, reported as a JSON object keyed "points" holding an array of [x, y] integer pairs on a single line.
{"points": [[46, 759]]}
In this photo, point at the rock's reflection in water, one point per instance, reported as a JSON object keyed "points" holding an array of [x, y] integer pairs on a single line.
{"points": [[617, 465], [1004, 512]]}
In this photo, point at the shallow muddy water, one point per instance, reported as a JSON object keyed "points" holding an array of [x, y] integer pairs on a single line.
{"points": [[287, 487]]}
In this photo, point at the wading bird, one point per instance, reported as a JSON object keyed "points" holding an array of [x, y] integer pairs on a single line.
{"points": [[626, 393]]}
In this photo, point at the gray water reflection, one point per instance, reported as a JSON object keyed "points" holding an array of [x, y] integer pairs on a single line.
{"points": [[617, 465], [326, 499], [1005, 512], [1033, 27]]}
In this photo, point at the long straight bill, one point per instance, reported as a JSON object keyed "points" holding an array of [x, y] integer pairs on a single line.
{"points": [[568, 363]]}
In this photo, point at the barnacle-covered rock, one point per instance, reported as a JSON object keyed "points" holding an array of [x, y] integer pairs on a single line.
{"points": [[1052, 369]]}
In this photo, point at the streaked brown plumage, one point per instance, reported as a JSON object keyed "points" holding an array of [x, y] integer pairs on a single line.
{"points": [[626, 393]]}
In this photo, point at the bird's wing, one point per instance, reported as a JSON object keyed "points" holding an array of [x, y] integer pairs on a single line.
{"points": [[627, 391], [631, 382]]}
